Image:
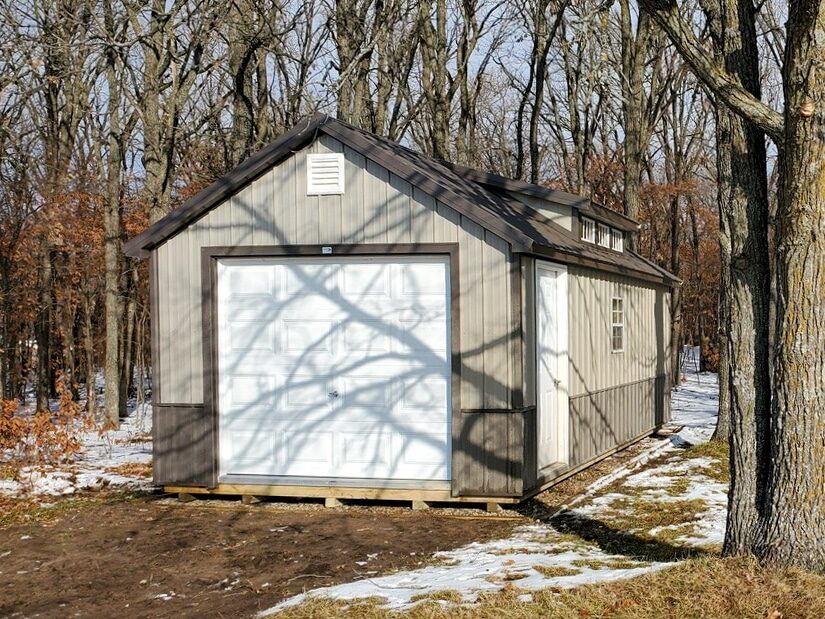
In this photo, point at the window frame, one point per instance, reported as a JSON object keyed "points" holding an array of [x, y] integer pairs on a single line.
{"points": [[604, 231], [617, 325], [585, 222], [616, 240]]}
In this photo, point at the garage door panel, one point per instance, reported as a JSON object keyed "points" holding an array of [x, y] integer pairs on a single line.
{"points": [[366, 336], [252, 280], [304, 392], [424, 393], [305, 447], [424, 332], [251, 450], [366, 392], [360, 282], [248, 390], [253, 307], [245, 335], [420, 281], [341, 369], [308, 337], [368, 447]]}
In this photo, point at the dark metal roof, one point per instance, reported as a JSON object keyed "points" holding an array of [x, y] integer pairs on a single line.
{"points": [[485, 202], [584, 205]]}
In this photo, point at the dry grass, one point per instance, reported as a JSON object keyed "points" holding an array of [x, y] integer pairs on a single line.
{"points": [[27, 510], [445, 595], [556, 571], [639, 515], [718, 588], [133, 469]]}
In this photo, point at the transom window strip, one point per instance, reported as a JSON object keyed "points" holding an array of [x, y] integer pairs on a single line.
{"points": [[601, 234]]}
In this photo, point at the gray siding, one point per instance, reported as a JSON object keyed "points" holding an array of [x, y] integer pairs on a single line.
{"points": [[561, 214], [614, 397], [605, 419], [183, 446], [377, 207]]}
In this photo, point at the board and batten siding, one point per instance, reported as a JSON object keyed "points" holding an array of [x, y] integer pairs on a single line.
{"points": [[593, 366], [614, 397], [377, 207]]}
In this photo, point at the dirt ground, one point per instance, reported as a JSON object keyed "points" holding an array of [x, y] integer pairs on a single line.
{"points": [[159, 558], [151, 557]]}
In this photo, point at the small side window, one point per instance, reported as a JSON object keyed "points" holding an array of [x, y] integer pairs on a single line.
{"points": [[588, 230], [617, 325], [616, 240], [603, 235]]}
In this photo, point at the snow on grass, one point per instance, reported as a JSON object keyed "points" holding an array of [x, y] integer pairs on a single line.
{"points": [[694, 403], [666, 503], [534, 557], [108, 459]]}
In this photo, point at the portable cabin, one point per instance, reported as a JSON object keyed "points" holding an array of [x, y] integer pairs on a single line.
{"points": [[340, 316]]}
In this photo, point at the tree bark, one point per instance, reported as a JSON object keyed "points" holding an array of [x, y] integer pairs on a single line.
{"points": [[794, 500], [744, 222], [89, 353], [634, 57], [42, 333], [113, 227]]}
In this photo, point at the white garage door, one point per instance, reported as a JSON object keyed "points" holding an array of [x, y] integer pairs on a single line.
{"points": [[335, 367]]}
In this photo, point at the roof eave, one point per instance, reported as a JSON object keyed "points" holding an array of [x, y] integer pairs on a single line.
{"points": [[567, 257]]}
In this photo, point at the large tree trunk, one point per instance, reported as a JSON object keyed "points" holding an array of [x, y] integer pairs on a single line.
{"points": [[434, 77], [744, 222], [676, 295], [634, 56], [722, 430], [113, 231], [42, 330], [795, 500]]}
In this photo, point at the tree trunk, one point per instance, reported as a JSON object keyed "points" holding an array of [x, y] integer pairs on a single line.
{"points": [[113, 231], [42, 332], [634, 56], [89, 353], [795, 502], [723, 429], [676, 295], [744, 222]]}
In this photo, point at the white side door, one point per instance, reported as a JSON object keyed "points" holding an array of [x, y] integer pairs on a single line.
{"points": [[552, 364]]}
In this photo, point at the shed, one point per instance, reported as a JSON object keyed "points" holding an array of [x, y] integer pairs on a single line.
{"points": [[340, 316]]}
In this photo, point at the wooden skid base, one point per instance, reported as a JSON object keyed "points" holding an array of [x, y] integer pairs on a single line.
{"points": [[324, 492]]}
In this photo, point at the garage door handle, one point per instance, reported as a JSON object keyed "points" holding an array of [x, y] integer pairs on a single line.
{"points": [[333, 394]]}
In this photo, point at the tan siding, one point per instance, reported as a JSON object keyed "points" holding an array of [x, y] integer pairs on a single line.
{"points": [[593, 366], [377, 207], [558, 213]]}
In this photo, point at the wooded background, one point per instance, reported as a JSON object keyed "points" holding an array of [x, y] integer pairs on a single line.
{"points": [[114, 112]]}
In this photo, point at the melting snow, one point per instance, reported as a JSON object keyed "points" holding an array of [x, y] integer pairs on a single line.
{"points": [[130, 443], [485, 567]]}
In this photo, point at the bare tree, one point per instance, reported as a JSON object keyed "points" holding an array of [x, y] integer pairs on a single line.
{"points": [[785, 527]]}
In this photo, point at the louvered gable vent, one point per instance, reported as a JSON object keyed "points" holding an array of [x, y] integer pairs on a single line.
{"points": [[325, 174]]}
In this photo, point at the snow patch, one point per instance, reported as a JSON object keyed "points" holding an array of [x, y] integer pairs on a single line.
{"points": [[129, 443], [533, 553]]}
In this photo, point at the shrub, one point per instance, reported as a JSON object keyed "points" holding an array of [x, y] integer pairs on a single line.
{"points": [[46, 437]]}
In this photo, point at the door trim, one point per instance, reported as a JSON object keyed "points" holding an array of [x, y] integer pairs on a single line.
{"points": [[561, 364], [209, 308]]}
